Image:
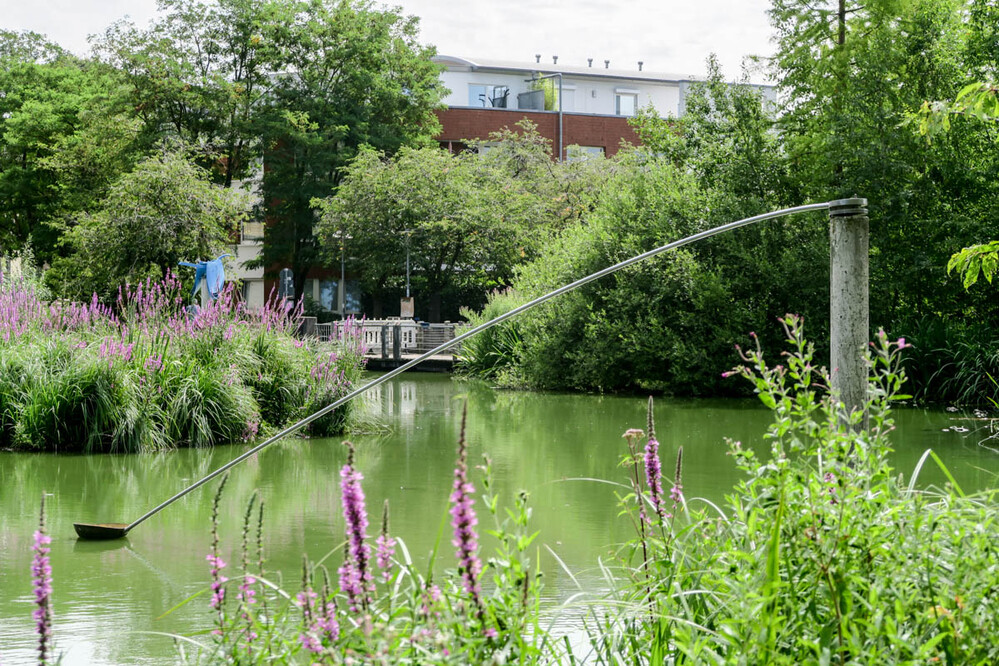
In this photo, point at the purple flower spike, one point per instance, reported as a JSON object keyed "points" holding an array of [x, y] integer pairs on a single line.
{"points": [[355, 575], [385, 547], [464, 520], [218, 580], [41, 580], [654, 476]]}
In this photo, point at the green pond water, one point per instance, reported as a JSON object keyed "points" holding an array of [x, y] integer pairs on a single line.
{"points": [[110, 597]]}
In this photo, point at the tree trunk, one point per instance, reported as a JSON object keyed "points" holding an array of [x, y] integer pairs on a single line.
{"points": [[434, 315]]}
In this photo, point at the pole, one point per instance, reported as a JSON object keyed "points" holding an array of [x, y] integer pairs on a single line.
{"points": [[341, 293], [559, 116], [408, 236], [381, 379], [849, 313]]}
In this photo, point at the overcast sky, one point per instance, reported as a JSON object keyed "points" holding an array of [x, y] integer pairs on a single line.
{"points": [[668, 35]]}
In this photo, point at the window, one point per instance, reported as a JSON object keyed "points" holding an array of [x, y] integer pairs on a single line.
{"points": [[625, 103], [580, 153], [496, 97], [328, 295]]}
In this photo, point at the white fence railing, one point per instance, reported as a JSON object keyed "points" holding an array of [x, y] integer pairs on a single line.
{"points": [[392, 337]]}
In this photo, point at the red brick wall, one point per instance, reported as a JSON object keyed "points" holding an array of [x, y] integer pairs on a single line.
{"points": [[607, 132]]}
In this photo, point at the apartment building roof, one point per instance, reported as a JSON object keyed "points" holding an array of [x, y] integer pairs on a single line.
{"points": [[598, 71]]}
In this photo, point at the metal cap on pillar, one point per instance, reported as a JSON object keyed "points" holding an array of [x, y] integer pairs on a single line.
{"points": [[848, 207]]}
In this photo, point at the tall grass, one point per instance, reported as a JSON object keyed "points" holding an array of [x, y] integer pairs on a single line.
{"points": [[146, 373]]}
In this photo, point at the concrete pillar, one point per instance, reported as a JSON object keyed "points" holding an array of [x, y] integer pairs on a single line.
{"points": [[849, 278]]}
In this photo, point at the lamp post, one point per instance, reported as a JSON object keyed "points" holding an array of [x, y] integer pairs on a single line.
{"points": [[409, 235], [342, 291], [406, 310]]}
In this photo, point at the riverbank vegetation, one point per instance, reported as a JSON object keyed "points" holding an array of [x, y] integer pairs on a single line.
{"points": [[147, 373], [842, 126], [88, 142], [823, 553]]}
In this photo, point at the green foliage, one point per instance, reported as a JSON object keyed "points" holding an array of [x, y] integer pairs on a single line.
{"points": [[66, 133], [495, 352], [163, 212], [89, 407], [465, 220], [851, 82], [348, 74], [662, 324], [198, 74], [975, 261], [822, 554], [79, 378], [550, 89]]}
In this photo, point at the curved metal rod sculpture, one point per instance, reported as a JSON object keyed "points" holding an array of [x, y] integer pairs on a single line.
{"points": [[119, 530]]}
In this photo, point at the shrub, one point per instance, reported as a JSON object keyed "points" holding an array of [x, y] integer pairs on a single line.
{"points": [[495, 351], [821, 555]]}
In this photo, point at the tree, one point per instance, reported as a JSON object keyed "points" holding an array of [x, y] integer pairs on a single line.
{"points": [[353, 75], [461, 228], [65, 136], [165, 211], [850, 73], [467, 221], [200, 73]]}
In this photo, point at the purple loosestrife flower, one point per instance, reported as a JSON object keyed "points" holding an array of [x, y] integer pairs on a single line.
{"points": [[41, 580], [217, 564], [323, 627], [830, 479], [154, 363], [218, 581], [385, 546], [676, 492], [654, 476], [464, 520], [356, 518], [308, 638]]}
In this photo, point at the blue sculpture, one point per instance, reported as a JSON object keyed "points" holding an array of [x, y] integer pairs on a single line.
{"points": [[213, 271]]}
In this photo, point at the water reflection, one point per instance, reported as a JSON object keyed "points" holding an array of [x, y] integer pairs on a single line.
{"points": [[106, 593]]}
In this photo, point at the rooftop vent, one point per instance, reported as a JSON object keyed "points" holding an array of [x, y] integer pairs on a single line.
{"points": [[606, 64], [555, 59], [537, 57], [640, 63], [589, 62]]}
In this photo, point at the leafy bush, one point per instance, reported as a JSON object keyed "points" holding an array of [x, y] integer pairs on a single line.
{"points": [[495, 351], [953, 361], [822, 555], [666, 323]]}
